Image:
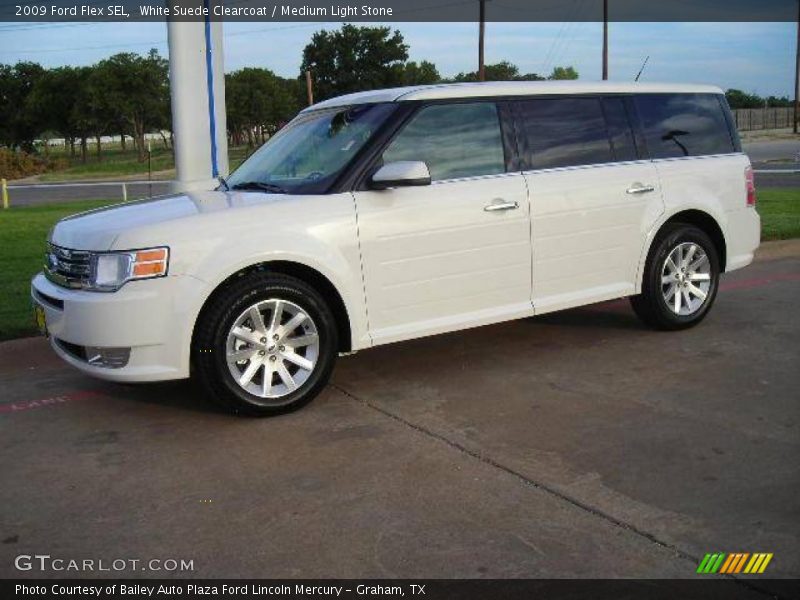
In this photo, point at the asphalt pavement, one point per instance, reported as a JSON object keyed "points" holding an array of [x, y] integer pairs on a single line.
{"points": [[37, 194], [578, 444], [761, 151]]}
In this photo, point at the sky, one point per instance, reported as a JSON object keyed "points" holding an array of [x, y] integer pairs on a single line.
{"points": [[754, 57]]}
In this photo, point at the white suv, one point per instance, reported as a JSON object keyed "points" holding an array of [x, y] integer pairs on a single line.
{"points": [[395, 214]]}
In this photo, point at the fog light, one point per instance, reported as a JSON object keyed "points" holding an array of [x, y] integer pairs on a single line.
{"points": [[110, 358]]}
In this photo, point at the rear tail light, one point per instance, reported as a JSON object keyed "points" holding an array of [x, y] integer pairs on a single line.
{"points": [[750, 185]]}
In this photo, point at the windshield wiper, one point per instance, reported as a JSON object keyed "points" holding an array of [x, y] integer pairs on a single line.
{"points": [[260, 186]]}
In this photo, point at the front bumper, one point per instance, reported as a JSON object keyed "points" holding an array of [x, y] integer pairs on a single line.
{"points": [[154, 318]]}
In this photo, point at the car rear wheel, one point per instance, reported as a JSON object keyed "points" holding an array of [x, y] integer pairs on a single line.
{"points": [[265, 346], [680, 280]]}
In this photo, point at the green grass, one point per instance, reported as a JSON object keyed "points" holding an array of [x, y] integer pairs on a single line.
{"points": [[23, 231], [113, 162], [780, 214]]}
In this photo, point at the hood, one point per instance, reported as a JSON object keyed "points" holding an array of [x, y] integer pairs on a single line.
{"points": [[98, 229]]}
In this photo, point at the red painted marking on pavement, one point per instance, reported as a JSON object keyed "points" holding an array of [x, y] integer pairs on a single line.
{"points": [[745, 284], [52, 401]]}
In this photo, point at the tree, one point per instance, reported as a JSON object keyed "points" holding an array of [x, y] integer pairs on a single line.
{"points": [[137, 88], [353, 59], [55, 109], [739, 99], [87, 110], [420, 73], [258, 103], [18, 126], [563, 73], [779, 101], [502, 71]]}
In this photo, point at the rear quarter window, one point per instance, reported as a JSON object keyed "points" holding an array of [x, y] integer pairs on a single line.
{"points": [[676, 125]]}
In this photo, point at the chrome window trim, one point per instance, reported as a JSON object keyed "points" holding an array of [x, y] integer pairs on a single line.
{"points": [[641, 161], [698, 157], [592, 166], [476, 177], [631, 162]]}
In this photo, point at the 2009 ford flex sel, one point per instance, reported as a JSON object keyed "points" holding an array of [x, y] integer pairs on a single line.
{"points": [[395, 214]]}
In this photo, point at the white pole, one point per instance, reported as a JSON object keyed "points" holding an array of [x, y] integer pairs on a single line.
{"points": [[197, 84]]}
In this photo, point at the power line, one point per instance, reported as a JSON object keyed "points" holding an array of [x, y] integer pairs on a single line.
{"points": [[162, 42], [29, 26], [558, 49]]}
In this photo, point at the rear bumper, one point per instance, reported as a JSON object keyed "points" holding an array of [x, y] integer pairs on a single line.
{"points": [[153, 318], [742, 237]]}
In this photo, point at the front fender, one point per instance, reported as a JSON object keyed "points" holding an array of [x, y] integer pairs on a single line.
{"points": [[317, 232]]}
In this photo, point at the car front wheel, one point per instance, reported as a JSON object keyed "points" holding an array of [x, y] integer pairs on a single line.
{"points": [[266, 345]]}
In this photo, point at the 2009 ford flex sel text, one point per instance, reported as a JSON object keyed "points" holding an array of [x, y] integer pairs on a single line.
{"points": [[395, 214]]}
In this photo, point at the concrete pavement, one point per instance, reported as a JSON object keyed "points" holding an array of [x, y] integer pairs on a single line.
{"points": [[577, 444]]}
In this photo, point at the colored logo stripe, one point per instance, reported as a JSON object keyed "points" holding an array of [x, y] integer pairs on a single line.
{"points": [[720, 562], [711, 563]]}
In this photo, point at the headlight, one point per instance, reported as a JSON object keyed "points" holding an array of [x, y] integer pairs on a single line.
{"points": [[111, 270]]}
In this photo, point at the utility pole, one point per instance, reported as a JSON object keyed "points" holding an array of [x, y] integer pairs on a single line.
{"points": [[309, 89], [481, 37], [797, 72], [605, 40]]}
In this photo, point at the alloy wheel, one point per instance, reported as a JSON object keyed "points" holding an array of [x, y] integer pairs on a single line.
{"points": [[272, 348], [686, 278]]}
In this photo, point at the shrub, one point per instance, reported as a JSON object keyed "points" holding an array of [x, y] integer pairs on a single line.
{"points": [[18, 164]]}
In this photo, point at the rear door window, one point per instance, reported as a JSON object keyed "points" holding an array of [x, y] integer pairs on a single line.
{"points": [[683, 125], [454, 140], [563, 132], [619, 129]]}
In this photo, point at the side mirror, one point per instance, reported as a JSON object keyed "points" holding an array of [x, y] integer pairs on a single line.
{"points": [[401, 173]]}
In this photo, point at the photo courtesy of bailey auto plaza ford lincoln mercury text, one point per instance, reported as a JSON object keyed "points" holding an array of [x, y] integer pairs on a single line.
{"points": [[426, 299]]}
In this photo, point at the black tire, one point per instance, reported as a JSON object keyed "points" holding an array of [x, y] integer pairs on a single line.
{"points": [[210, 368], [650, 305]]}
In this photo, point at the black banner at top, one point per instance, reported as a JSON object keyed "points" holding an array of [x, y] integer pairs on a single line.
{"points": [[399, 10]]}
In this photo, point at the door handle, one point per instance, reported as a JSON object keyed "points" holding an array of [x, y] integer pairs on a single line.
{"points": [[494, 206], [638, 188]]}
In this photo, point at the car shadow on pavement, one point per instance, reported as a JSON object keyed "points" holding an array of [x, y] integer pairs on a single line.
{"points": [[616, 314], [182, 394]]}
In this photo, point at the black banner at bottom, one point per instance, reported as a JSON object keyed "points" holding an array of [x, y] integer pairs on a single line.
{"points": [[432, 589]]}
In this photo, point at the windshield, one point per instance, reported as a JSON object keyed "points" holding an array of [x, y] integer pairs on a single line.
{"points": [[309, 153]]}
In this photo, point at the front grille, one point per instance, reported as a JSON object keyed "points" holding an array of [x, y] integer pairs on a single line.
{"points": [[67, 268]]}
